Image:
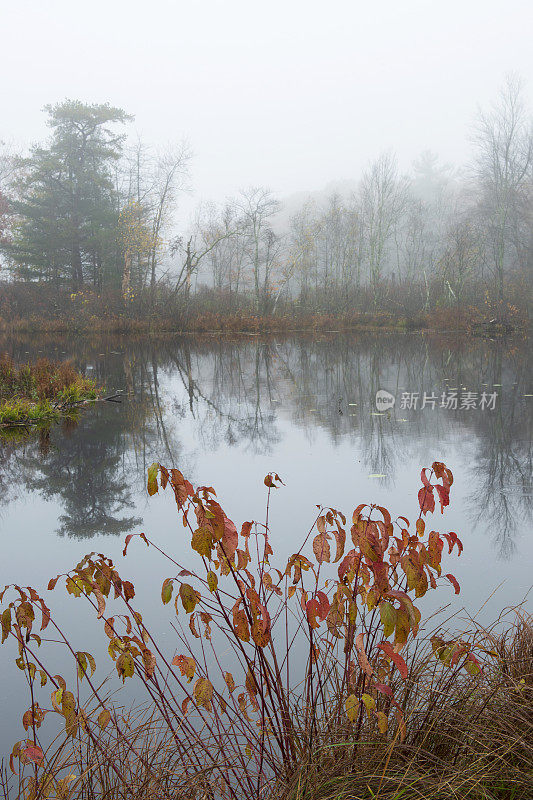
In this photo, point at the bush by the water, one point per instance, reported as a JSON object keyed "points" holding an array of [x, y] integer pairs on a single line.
{"points": [[314, 681], [30, 393]]}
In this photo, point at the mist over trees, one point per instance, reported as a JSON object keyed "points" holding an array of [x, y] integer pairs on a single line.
{"points": [[89, 213], [86, 211]]}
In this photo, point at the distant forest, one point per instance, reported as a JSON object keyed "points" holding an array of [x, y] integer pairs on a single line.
{"points": [[88, 224]]}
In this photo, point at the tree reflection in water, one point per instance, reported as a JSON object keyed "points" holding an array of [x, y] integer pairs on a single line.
{"points": [[234, 393]]}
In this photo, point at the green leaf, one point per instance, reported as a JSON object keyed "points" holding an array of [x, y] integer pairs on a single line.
{"points": [[387, 613], [370, 703], [352, 707], [125, 666], [202, 541], [203, 693], [81, 665], [153, 469], [166, 590], [212, 581], [189, 597], [68, 708]]}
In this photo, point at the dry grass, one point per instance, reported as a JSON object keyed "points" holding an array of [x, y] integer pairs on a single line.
{"points": [[30, 308], [30, 393], [466, 738]]}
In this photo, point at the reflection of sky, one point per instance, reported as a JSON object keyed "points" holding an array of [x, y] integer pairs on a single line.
{"points": [[246, 423]]}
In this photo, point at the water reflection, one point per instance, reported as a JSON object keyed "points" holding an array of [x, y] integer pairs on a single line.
{"points": [[215, 395]]}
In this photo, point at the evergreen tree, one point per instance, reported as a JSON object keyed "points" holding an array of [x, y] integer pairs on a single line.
{"points": [[69, 207]]}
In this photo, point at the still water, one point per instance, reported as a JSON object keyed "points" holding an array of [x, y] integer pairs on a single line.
{"points": [[227, 411]]}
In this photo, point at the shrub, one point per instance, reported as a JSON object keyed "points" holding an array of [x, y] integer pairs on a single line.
{"points": [[38, 392], [325, 669]]}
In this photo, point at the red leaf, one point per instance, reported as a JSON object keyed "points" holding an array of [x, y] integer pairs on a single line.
{"points": [[347, 563], [444, 496], [395, 658], [452, 540], [426, 499], [324, 605], [230, 539], [457, 653], [472, 665], [424, 480], [34, 752], [312, 609], [454, 582], [441, 471], [99, 599], [384, 689]]}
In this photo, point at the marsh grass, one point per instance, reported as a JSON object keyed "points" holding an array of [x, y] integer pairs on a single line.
{"points": [[467, 738], [41, 392]]}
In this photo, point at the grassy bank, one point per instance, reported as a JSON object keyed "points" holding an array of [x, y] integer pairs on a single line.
{"points": [[40, 393], [34, 308], [470, 323]]}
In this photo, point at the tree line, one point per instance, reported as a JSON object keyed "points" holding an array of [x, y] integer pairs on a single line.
{"points": [[91, 212]]}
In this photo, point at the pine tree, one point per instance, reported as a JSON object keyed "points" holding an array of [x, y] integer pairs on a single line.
{"points": [[69, 207]]}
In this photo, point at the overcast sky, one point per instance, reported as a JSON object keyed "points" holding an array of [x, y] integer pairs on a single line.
{"points": [[290, 94]]}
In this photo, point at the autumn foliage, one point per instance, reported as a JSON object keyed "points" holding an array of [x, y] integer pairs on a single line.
{"points": [[264, 657]]}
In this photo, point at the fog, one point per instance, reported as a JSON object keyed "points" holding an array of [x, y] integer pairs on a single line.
{"points": [[288, 95]]}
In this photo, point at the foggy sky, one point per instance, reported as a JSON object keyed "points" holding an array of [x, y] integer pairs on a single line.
{"points": [[291, 95]]}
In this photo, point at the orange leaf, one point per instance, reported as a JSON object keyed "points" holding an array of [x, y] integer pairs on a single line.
{"points": [[187, 666], [321, 547], [362, 656], [34, 752]]}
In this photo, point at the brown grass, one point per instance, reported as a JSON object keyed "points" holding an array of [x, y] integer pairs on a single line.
{"points": [[26, 308], [467, 738]]}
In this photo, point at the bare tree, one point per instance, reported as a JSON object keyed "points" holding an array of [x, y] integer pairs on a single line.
{"points": [[504, 139], [256, 208], [302, 253], [171, 173], [192, 252], [383, 200], [221, 232]]}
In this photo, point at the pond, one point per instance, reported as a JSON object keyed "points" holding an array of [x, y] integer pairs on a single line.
{"points": [[342, 419]]}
